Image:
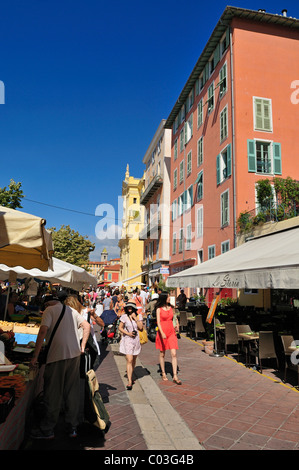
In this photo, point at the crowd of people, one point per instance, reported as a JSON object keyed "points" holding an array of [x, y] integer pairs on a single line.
{"points": [[78, 314]]}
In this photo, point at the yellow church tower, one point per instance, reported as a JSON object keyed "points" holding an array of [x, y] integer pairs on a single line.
{"points": [[131, 248]]}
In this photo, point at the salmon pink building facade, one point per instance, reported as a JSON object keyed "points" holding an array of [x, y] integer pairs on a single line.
{"points": [[234, 123]]}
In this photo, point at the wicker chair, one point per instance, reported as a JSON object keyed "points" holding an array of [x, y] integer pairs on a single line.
{"points": [[265, 349], [287, 341], [231, 336]]}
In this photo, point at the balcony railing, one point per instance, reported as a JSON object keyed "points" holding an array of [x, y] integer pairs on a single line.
{"points": [[155, 184]]}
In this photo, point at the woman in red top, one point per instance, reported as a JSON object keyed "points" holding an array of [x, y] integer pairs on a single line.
{"points": [[166, 335]]}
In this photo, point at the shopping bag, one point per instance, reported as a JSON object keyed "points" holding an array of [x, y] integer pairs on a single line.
{"points": [[142, 336], [94, 409]]}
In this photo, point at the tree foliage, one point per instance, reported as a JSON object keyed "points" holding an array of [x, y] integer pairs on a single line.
{"points": [[12, 196], [70, 246]]}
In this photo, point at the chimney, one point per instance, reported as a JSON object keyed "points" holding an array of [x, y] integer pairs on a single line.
{"points": [[284, 12]]}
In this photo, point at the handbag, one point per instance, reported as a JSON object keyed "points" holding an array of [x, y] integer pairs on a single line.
{"points": [[89, 356], [143, 336], [94, 409], [42, 358]]}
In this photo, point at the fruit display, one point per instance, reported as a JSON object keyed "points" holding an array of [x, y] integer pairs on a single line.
{"points": [[15, 381]]}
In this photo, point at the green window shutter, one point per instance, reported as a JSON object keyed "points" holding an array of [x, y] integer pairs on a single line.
{"points": [[229, 161], [217, 55], [185, 200], [263, 114], [191, 195], [251, 156], [206, 72], [277, 158], [227, 37], [218, 169]]}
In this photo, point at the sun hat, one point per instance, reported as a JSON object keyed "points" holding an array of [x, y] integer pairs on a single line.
{"points": [[130, 304]]}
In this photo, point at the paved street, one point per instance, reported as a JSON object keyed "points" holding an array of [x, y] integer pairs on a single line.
{"points": [[221, 405]]}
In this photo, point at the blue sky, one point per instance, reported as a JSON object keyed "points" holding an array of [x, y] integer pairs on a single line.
{"points": [[86, 86]]}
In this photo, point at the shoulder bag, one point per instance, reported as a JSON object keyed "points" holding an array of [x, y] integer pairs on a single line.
{"points": [[42, 358]]}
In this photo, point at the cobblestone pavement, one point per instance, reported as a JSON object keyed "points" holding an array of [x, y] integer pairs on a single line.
{"points": [[221, 405]]}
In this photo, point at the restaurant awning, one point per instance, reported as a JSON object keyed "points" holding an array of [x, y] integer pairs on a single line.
{"points": [[265, 262]]}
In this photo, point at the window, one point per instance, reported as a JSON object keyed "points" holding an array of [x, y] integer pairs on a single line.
{"points": [[189, 129], [174, 243], [223, 125], [225, 246], [224, 209], [211, 98], [182, 140], [264, 157], [174, 209], [199, 85], [199, 231], [200, 151], [199, 113], [262, 115], [212, 251], [189, 163], [251, 291], [199, 182], [190, 100], [109, 276], [189, 196], [223, 165], [223, 81], [212, 65], [225, 42], [180, 205], [181, 240], [181, 171], [175, 179], [189, 235], [175, 149]]}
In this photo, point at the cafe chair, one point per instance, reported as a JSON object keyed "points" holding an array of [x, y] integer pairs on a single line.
{"points": [[265, 348], [244, 347], [231, 336], [183, 321], [287, 341], [198, 326], [244, 329]]}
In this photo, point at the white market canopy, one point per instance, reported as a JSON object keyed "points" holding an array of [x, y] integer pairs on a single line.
{"points": [[24, 240], [66, 274], [269, 261]]}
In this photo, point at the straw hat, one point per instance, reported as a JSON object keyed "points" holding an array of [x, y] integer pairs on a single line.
{"points": [[131, 304]]}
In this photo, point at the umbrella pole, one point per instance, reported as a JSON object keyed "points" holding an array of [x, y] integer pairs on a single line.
{"points": [[6, 303], [215, 353]]}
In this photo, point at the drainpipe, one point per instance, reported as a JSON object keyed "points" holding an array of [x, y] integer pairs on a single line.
{"points": [[233, 138]]}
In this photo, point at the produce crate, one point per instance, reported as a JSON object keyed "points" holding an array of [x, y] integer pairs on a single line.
{"points": [[8, 405]]}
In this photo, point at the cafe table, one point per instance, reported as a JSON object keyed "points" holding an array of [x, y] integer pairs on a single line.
{"points": [[247, 339]]}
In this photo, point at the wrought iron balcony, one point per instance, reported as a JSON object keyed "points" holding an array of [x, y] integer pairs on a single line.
{"points": [[155, 184]]}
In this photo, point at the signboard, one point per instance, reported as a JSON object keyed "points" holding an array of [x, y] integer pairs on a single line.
{"points": [[212, 309], [164, 270]]}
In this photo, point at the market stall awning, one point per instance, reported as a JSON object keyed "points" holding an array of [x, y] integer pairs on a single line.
{"points": [[269, 261], [24, 240], [66, 274]]}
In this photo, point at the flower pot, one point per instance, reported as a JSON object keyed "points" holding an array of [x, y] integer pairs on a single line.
{"points": [[209, 347]]}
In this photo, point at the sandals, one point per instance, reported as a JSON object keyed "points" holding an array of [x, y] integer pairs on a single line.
{"points": [[177, 381], [129, 387], [164, 378]]}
